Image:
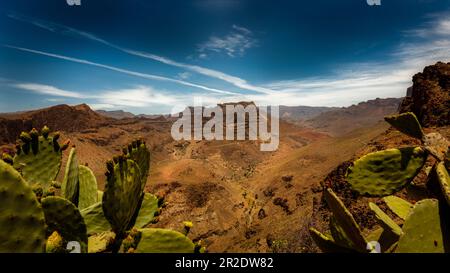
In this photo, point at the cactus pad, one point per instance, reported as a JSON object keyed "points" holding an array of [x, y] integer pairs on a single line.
{"points": [[62, 216], [386, 172], [338, 234], [38, 157], [327, 244], [70, 185], [385, 221], [444, 181], [436, 144], [148, 210], [21, 217], [406, 123], [138, 152], [345, 220], [422, 231], [400, 207], [100, 242], [156, 240], [87, 188], [123, 194], [95, 219], [55, 244]]}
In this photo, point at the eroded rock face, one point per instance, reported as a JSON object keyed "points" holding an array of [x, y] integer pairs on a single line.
{"points": [[430, 98]]}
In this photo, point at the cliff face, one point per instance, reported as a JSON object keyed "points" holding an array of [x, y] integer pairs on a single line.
{"points": [[430, 96]]}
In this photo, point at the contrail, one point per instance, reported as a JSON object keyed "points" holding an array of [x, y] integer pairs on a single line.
{"points": [[124, 71]]}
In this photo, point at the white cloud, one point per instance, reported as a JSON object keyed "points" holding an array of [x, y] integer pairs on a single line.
{"points": [[359, 82], [48, 90], [233, 44], [101, 106], [120, 70], [184, 75], [140, 96], [236, 81]]}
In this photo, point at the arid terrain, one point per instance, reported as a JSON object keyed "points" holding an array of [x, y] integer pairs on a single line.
{"points": [[239, 198]]}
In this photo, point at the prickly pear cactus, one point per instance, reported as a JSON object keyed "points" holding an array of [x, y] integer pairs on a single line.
{"points": [[422, 232], [327, 244], [55, 244], [38, 157], [22, 225], [436, 144], [400, 207], [345, 220], [123, 194], [87, 187], [139, 153], [70, 184], [62, 216], [385, 221], [95, 220], [338, 234], [100, 242], [406, 123], [149, 209], [444, 181], [386, 172], [156, 240]]}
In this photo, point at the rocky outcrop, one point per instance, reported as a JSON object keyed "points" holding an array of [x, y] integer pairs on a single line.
{"points": [[430, 96], [59, 118]]}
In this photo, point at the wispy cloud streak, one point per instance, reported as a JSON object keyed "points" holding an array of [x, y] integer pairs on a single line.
{"points": [[120, 70], [236, 81]]}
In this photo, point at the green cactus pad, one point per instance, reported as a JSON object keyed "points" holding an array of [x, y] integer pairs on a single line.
{"points": [[156, 240], [70, 185], [38, 158], [99, 196], [22, 225], [123, 195], [62, 216], [386, 239], [148, 210], [100, 242], [386, 172], [95, 219], [406, 123], [327, 244], [444, 181], [345, 220], [436, 144], [422, 231], [87, 188], [400, 207], [138, 152], [338, 234], [385, 221]]}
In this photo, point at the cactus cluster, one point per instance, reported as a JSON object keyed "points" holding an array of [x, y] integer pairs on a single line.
{"points": [[422, 227], [34, 219], [38, 157], [21, 218]]}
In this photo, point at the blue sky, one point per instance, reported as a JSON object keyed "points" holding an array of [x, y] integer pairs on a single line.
{"points": [[149, 56]]}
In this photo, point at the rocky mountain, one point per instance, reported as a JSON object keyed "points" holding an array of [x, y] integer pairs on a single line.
{"points": [[430, 96], [341, 121], [118, 114], [60, 117], [301, 113], [239, 198]]}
